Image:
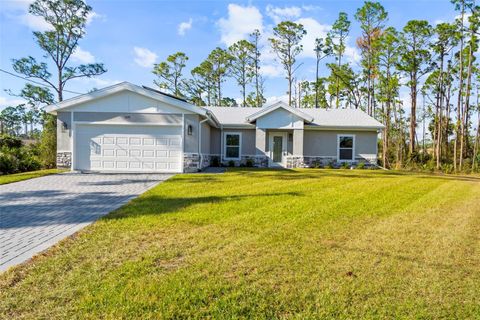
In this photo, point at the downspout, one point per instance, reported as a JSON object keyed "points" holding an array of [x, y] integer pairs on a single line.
{"points": [[200, 142]]}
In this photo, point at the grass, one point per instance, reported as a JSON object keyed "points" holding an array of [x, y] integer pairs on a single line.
{"points": [[330, 244], [9, 178]]}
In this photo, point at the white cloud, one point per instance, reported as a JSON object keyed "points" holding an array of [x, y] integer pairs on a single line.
{"points": [[94, 15], [352, 54], [34, 22], [241, 21], [272, 70], [83, 56], [314, 30], [273, 99], [144, 57], [7, 102], [286, 13], [93, 82], [184, 27]]}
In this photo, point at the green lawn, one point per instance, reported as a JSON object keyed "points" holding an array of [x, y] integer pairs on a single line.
{"points": [[9, 178], [339, 244]]}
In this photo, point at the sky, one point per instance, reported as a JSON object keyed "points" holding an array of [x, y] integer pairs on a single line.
{"points": [[129, 37]]}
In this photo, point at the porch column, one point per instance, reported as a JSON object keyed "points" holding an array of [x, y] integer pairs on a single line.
{"points": [[260, 141], [298, 142]]}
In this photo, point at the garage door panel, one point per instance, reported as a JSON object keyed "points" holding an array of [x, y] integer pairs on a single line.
{"points": [[128, 148]]}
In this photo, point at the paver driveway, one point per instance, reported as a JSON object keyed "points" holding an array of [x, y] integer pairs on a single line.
{"points": [[37, 213]]}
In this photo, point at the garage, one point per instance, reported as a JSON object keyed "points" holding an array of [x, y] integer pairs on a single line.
{"points": [[128, 148]]}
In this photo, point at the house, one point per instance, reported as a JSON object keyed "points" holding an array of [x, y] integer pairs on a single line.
{"points": [[128, 128]]}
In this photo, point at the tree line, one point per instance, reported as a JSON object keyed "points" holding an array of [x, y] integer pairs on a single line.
{"points": [[437, 65]]}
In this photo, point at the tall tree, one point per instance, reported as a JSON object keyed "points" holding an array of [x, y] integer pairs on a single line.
{"points": [[389, 84], [415, 58], [286, 44], [242, 67], [446, 38], [202, 83], [463, 6], [220, 61], [322, 50], [372, 17], [257, 99], [337, 38], [170, 73], [67, 21]]}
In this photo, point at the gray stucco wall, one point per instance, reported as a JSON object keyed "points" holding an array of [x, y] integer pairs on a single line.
{"points": [[215, 141], [191, 141], [64, 135], [248, 140], [120, 117], [206, 138], [324, 143]]}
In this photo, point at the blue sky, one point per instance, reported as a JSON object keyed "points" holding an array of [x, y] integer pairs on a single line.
{"points": [[129, 36]]}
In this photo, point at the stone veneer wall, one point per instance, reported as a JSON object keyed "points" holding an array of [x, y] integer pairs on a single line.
{"points": [[64, 160], [259, 161], [315, 162]]}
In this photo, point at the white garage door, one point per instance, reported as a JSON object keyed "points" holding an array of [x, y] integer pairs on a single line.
{"points": [[128, 148]]}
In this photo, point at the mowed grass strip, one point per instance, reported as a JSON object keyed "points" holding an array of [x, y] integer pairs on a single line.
{"points": [[9, 178], [268, 244]]}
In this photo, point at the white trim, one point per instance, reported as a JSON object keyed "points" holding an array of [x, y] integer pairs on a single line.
{"points": [[353, 147], [182, 163], [142, 124], [200, 142], [284, 148], [274, 107], [239, 145], [339, 128], [73, 130]]}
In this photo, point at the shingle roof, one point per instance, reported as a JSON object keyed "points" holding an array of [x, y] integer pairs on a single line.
{"points": [[327, 118]]}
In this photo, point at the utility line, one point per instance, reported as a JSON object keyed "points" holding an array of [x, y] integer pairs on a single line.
{"points": [[36, 82]]}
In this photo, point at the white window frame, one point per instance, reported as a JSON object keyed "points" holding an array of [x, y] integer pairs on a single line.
{"points": [[338, 147], [225, 145]]}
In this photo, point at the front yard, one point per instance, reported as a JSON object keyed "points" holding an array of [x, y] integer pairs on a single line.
{"points": [[268, 244]]}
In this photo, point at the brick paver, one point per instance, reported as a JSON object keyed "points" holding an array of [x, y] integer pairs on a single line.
{"points": [[37, 213]]}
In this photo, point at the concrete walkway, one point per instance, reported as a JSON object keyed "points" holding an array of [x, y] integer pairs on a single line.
{"points": [[37, 213]]}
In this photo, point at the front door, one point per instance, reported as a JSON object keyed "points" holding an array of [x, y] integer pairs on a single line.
{"points": [[278, 147]]}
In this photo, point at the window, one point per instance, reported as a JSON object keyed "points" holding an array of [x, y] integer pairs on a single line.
{"points": [[232, 142], [346, 147]]}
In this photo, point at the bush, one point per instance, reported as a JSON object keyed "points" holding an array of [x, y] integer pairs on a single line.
{"points": [[231, 163], [361, 165], [249, 163], [14, 157], [10, 142], [345, 165], [215, 162]]}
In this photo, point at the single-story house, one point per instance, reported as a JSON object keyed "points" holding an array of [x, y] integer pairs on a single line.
{"points": [[128, 128]]}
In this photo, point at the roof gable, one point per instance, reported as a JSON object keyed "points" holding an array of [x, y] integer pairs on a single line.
{"points": [[264, 111], [124, 87]]}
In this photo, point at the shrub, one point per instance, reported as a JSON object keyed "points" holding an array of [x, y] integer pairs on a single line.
{"points": [[215, 162], [14, 157], [10, 142], [345, 165], [231, 163], [330, 164], [249, 163], [361, 165], [8, 163]]}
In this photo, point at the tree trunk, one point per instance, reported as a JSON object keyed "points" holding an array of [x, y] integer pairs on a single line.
{"points": [[316, 84], [460, 94], [413, 115]]}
